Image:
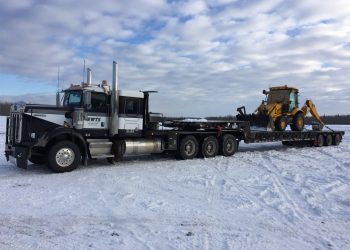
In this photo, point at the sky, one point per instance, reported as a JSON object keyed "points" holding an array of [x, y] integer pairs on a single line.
{"points": [[205, 58]]}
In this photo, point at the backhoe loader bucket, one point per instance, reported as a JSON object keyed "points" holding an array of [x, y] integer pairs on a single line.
{"points": [[259, 120]]}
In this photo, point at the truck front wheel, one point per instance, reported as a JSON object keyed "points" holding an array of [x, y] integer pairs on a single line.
{"points": [[63, 156]]}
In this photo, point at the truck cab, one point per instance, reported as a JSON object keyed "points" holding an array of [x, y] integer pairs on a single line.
{"points": [[93, 104]]}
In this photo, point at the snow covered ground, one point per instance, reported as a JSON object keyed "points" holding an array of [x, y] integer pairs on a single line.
{"points": [[265, 197]]}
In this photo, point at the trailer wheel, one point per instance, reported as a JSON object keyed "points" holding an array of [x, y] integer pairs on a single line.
{"points": [[37, 159], [337, 139], [329, 140], [63, 156], [228, 145], [188, 147], [319, 141], [210, 147], [281, 123], [298, 122]]}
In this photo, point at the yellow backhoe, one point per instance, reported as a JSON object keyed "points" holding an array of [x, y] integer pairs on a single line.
{"points": [[280, 109]]}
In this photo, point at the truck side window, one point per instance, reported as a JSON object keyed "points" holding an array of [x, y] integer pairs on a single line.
{"points": [[98, 102], [132, 106]]}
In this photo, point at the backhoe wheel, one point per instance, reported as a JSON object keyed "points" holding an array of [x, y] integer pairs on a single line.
{"points": [[188, 147], [298, 122], [336, 139], [37, 159], [210, 147], [229, 145], [319, 141], [63, 156], [281, 123], [329, 140]]}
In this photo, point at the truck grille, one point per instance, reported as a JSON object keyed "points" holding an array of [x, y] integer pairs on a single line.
{"points": [[14, 128]]}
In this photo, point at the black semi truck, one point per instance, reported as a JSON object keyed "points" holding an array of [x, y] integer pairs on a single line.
{"points": [[94, 121]]}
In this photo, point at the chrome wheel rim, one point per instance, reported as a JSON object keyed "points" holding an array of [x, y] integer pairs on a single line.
{"points": [[189, 148], [229, 145], [210, 148], [65, 157]]}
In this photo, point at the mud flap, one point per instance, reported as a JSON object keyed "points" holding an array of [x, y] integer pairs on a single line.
{"points": [[21, 155]]}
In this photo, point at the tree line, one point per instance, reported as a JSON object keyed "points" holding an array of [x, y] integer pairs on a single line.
{"points": [[5, 108], [327, 119]]}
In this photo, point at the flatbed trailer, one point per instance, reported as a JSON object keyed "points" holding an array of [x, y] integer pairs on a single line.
{"points": [[176, 131]]}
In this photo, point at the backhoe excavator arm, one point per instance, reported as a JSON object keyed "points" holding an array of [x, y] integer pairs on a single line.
{"points": [[310, 106]]}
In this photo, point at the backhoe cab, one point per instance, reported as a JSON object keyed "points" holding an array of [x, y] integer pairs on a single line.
{"points": [[280, 109]]}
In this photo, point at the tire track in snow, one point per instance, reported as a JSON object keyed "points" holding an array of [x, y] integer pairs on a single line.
{"points": [[281, 190]]}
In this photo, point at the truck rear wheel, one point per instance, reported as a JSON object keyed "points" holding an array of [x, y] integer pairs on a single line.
{"points": [[63, 156], [228, 145], [210, 147], [298, 122], [188, 147]]}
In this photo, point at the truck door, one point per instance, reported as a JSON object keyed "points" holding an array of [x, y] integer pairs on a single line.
{"points": [[96, 115], [130, 115]]}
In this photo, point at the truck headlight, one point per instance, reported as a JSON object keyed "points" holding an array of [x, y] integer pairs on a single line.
{"points": [[32, 135]]}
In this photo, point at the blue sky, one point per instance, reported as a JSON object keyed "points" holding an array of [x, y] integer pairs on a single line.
{"points": [[205, 57]]}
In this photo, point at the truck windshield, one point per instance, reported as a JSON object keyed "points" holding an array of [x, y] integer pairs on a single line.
{"points": [[72, 98]]}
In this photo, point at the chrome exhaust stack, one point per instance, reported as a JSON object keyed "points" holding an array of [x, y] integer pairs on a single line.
{"points": [[89, 77], [114, 102]]}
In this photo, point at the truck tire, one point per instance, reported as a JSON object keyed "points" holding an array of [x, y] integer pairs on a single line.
{"points": [[63, 156], [210, 147], [228, 145], [37, 159], [281, 123], [337, 139], [188, 148], [329, 140], [319, 141], [298, 122]]}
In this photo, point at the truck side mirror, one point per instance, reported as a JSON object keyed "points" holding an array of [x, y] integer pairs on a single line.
{"points": [[87, 100], [264, 92]]}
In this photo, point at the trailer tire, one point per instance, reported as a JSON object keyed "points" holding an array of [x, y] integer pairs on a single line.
{"points": [[37, 159], [298, 122], [64, 156], [329, 140], [228, 145], [209, 147], [319, 141], [337, 139], [188, 148]]}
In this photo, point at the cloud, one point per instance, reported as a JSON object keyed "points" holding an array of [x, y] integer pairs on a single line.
{"points": [[205, 57]]}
